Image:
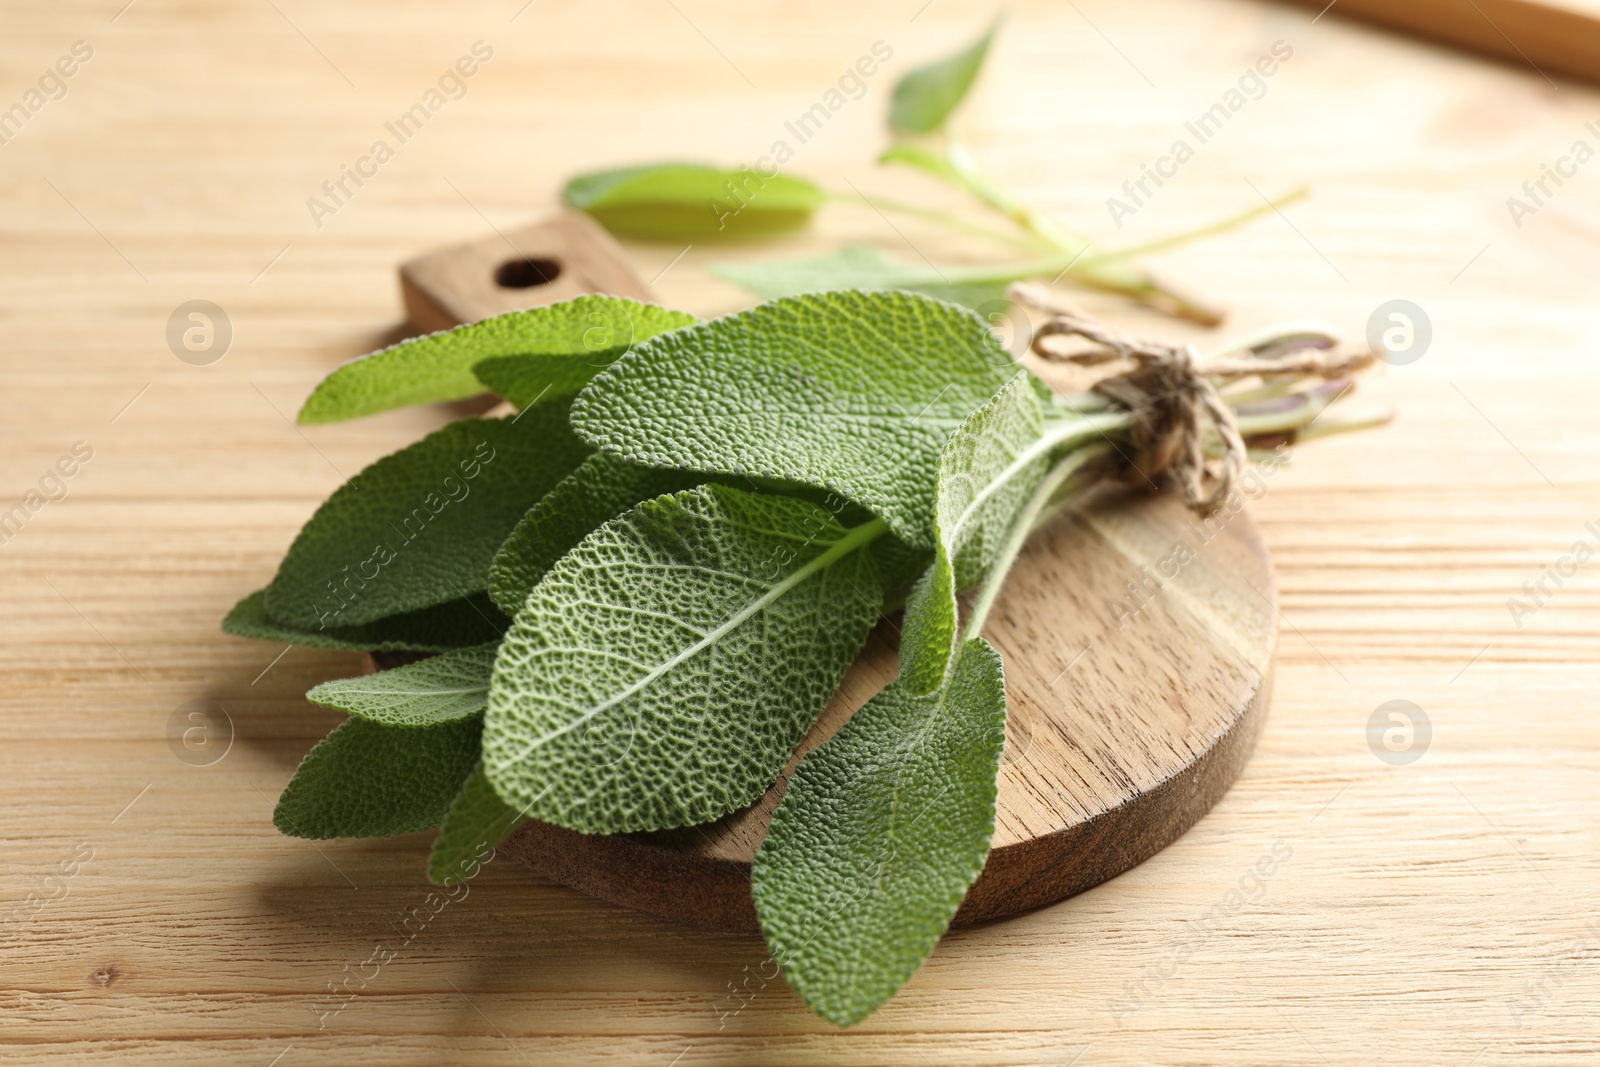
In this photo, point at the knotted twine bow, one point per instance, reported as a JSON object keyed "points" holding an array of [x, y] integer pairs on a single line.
{"points": [[1167, 390]]}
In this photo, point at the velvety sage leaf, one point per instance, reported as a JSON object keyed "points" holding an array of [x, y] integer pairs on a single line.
{"points": [[928, 630], [899, 567], [602, 488], [849, 391], [471, 620], [613, 326], [693, 201], [369, 780], [420, 527], [436, 690], [859, 266], [663, 670], [881, 831], [562, 339], [528, 380], [925, 96], [987, 470], [477, 822]]}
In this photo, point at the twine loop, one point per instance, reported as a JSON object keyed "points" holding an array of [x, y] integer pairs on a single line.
{"points": [[1172, 397]]}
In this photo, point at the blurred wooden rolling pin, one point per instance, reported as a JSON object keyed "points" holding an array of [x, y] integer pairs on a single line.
{"points": [[1552, 38]]}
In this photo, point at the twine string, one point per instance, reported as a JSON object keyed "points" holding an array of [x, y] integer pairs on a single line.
{"points": [[1173, 398]]}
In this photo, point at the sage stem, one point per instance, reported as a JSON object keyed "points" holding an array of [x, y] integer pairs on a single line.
{"points": [[1058, 477]]}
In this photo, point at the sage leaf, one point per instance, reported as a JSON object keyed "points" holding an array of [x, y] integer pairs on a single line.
{"points": [[601, 488], [663, 670], [880, 833], [557, 341], [925, 96], [987, 470], [899, 568], [928, 630], [369, 780], [693, 201], [859, 266], [420, 527], [849, 391], [470, 620], [437, 690], [894, 815], [477, 822], [613, 325]]}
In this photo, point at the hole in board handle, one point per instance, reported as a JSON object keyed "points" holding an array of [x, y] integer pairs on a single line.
{"points": [[526, 273]]}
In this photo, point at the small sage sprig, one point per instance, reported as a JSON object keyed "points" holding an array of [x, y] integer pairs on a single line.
{"points": [[643, 586], [697, 202]]}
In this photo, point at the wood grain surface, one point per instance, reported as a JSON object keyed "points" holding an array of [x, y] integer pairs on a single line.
{"points": [[1334, 908]]}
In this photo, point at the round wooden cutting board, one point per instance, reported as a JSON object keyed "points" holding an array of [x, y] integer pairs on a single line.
{"points": [[1138, 643]]}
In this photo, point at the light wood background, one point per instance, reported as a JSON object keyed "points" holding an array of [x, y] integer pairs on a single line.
{"points": [[1440, 912]]}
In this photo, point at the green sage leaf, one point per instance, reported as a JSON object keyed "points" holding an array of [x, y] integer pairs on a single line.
{"points": [[987, 470], [370, 780], [420, 527], [601, 488], [614, 326], [849, 391], [693, 201], [880, 833], [471, 620], [562, 344], [437, 690], [477, 822], [858, 266], [925, 96], [663, 670], [928, 630]]}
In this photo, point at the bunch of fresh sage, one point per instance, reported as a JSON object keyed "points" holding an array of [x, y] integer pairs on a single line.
{"points": [[641, 585]]}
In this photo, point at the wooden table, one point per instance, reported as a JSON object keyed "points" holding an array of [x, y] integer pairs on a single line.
{"points": [[1443, 911]]}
